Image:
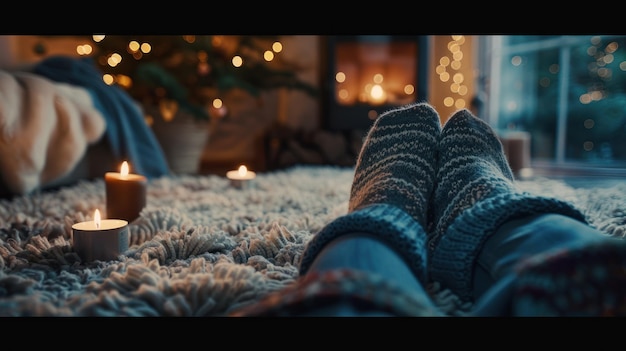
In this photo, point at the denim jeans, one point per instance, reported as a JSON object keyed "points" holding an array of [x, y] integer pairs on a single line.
{"points": [[494, 275], [364, 252]]}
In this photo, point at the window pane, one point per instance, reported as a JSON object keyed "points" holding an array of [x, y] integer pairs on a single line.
{"points": [[569, 93], [596, 119], [529, 99]]}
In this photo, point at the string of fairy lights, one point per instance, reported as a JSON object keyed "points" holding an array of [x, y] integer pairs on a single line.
{"points": [[137, 50], [449, 71]]}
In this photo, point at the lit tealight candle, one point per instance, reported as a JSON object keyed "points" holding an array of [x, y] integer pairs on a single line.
{"points": [[125, 193], [100, 239], [241, 177]]}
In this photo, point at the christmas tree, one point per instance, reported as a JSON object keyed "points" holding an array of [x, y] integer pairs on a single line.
{"points": [[194, 71]]}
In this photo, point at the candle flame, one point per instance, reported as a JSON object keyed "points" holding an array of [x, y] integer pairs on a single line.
{"points": [[124, 169], [242, 170], [96, 218]]}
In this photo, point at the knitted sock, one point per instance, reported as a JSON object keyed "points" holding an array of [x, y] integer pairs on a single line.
{"points": [[393, 182], [586, 281], [475, 194]]}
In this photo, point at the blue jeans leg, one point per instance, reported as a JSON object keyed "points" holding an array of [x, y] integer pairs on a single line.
{"points": [[514, 241], [364, 252]]}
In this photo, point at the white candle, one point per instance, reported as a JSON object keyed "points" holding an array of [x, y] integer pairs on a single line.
{"points": [[241, 177], [100, 239]]}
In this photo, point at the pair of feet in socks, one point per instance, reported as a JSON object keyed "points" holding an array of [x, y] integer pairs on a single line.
{"points": [[435, 193], [413, 177], [431, 172]]}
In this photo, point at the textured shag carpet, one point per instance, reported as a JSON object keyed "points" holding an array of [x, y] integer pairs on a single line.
{"points": [[200, 247]]}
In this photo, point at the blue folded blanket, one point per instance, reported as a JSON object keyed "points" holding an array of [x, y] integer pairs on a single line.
{"points": [[129, 136]]}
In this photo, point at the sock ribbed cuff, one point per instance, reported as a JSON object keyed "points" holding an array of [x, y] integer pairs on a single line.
{"points": [[453, 257], [388, 223]]}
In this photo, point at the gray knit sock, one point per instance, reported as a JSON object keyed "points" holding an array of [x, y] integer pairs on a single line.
{"points": [[472, 166], [475, 194], [396, 165], [392, 186]]}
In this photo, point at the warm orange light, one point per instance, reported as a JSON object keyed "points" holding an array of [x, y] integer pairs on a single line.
{"points": [[377, 94], [242, 170], [124, 169], [96, 218]]}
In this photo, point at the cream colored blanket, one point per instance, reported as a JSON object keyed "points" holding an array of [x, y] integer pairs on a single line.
{"points": [[45, 128]]}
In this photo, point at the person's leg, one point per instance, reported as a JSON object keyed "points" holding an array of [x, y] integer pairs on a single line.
{"points": [[395, 170], [475, 196], [586, 280], [383, 233], [497, 275], [392, 288], [365, 252]]}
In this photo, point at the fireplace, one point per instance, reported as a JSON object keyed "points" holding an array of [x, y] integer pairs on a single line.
{"points": [[367, 75]]}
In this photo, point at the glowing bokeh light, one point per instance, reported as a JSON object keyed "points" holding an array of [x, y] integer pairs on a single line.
{"points": [[340, 77], [237, 61], [277, 46]]}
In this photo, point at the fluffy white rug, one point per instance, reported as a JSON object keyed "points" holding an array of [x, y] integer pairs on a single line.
{"points": [[200, 247]]}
